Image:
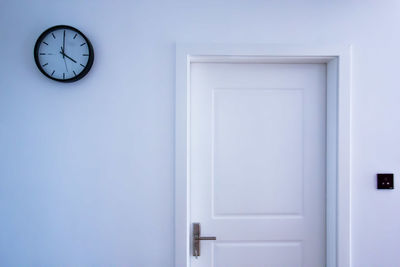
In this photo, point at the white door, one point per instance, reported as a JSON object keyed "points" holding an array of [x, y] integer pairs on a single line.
{"points": [[257, 164]]}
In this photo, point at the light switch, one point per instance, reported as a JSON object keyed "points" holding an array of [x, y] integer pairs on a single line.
{"points": [[385, 181]]}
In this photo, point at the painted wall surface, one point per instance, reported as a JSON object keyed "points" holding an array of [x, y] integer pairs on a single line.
{"points": [[87, 169]]}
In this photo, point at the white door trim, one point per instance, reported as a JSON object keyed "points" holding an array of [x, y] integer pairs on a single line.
{"points": [[338, 60]]}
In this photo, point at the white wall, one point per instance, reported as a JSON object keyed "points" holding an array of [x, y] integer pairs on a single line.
{"points": [[86, 169]]}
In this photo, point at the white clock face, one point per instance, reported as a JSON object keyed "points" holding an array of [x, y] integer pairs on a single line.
{"points": [[63, 53]]}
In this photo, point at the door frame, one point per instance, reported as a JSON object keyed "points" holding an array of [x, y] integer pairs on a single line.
{"points": [[338, 60]]}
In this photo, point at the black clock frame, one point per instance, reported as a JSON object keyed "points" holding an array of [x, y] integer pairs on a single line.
{"points": [[83, 72]]}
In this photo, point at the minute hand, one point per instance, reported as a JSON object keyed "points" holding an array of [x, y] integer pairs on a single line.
{"points": [[63, 47], [67, 56]]}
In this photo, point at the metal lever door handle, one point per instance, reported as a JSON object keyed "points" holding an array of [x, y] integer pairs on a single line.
{"points": [[197, 238], [206, 238]]}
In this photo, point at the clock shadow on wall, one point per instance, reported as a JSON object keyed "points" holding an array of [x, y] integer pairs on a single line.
{"points": [[63, 53]]}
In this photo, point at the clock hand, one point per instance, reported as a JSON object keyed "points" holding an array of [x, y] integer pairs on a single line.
{"points": [[63, 47], [62, 53], [65, 62], [70, 58]]}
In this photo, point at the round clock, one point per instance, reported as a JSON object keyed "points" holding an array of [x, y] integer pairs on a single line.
{"points": [[63, 53]]}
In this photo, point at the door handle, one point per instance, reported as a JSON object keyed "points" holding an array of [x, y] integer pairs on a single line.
{"points": [[197, 238]]}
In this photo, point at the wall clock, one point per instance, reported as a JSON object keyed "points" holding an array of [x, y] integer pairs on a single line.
{"points": [[63, 53]]}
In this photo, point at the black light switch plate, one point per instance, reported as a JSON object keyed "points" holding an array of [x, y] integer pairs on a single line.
{"points": [[385, 181]]}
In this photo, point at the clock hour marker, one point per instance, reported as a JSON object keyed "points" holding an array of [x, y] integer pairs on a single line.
{"points": [[42, 54], [53, 35], [44, 65], [82, 65], [53, 72], [74, 72], [45, 43], [85, 55], [82, 44], [75, 35], [64, 75]]}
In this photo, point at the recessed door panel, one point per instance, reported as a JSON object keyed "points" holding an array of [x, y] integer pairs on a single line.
{"points": [[261, 254], [249, 138]]}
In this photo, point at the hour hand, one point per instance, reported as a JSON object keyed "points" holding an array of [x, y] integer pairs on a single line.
{"points": [[65, 55]]}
